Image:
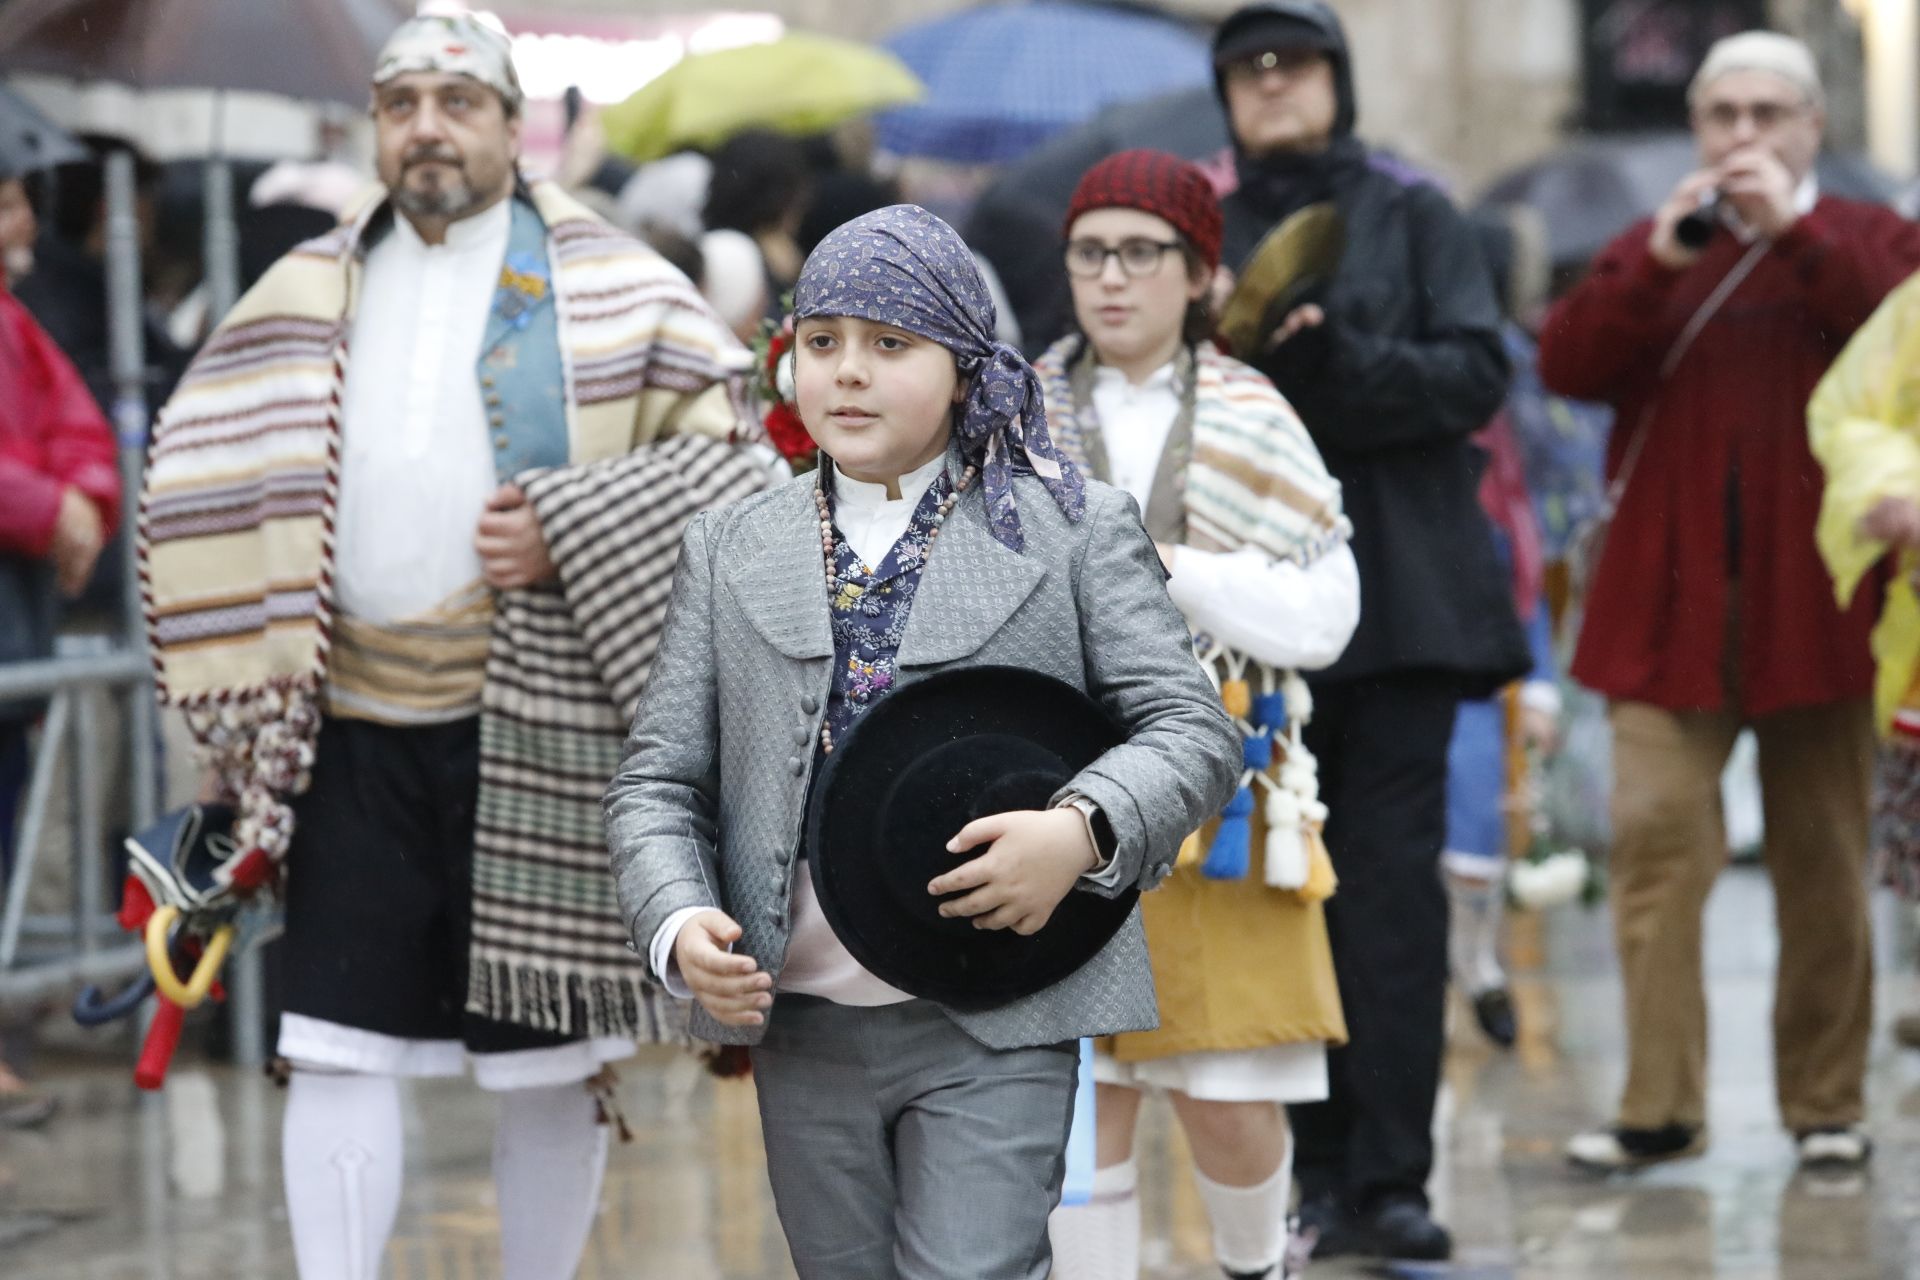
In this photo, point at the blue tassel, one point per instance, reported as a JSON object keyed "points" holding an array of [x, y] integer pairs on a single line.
{"points": [[1257, 752], [1270, 711], [1231, 854]]}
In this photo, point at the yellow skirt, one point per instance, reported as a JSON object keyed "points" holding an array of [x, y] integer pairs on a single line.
{"points": [[1236, 964]]}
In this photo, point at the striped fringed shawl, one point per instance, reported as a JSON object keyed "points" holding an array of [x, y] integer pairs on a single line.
{"points": [[564, 675], [1254, 478], [236, 517]]}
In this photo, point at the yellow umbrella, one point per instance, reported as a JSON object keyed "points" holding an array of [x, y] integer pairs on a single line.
{"points": [[798, 83]]}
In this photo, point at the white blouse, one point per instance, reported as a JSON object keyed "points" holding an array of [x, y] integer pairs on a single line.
{"points": [[1274, 611]]}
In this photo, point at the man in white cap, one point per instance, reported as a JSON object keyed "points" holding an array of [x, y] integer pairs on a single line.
{"points": [[409, 526], [1709, 611]]}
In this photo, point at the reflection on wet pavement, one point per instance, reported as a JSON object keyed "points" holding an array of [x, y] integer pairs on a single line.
{"points": [[186, 1186]]}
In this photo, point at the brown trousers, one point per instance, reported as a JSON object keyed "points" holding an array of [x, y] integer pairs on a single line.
{"points": [[1669, 843]]}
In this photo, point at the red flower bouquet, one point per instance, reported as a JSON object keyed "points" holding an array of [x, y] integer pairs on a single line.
{"points": [[779, 417]]}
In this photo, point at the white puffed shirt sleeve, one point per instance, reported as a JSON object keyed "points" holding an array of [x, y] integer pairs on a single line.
{"points": [[1274, 611]]}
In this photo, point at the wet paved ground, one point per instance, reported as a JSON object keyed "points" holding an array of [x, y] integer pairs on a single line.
{"points": [[185, 1187]]}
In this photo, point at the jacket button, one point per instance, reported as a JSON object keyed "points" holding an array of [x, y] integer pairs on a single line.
{"points": [[809, 704], [497, 419], [493, 402], [782, 856], [797, 766], [777, 917], [501, 442], [800, 736]]}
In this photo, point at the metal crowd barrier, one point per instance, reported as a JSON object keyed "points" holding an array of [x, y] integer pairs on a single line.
{"points": [[51, 955]]}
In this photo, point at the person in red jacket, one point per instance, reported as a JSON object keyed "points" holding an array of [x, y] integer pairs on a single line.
{"points": [[59, 478], [59, 500], [1708, 611]]}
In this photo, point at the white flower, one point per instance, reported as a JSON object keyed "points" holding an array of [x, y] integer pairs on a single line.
{"points": [[1553, 881], [783, 378]]}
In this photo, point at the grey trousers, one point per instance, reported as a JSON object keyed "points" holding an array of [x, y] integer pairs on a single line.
{"points": [[900, 1148]]}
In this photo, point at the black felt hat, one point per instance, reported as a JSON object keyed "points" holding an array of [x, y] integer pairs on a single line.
{"points": [[919, 766]]}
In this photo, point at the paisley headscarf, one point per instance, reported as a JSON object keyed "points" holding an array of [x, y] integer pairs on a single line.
{"points": [[904, 267]]}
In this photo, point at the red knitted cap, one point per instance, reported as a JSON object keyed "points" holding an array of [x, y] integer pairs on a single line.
{"points": [[1154, 182]]}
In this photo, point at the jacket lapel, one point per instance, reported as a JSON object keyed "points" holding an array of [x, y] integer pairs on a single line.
{"points": [[780, 579], [971, 586]]}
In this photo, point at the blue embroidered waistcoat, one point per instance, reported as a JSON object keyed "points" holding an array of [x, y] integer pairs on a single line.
{"points": [[523, 380], [870, 613]]}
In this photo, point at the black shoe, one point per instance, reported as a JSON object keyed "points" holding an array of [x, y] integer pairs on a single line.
{"points": [[1403, 1229], [1325, 1227], [1493, 1010]]}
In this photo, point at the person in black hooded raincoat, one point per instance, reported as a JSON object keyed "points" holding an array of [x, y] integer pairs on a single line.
{"points": [[1392, 364]]}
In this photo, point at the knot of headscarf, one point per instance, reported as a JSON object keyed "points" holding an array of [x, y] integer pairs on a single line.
{"points": [[904, 267]]}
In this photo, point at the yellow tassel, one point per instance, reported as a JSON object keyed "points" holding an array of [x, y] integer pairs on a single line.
{"points": [[1321, 882], [1238, 698], [1192, 852]]}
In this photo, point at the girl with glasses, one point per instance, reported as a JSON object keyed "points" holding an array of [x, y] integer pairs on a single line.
{"points": [[1250, 528]]}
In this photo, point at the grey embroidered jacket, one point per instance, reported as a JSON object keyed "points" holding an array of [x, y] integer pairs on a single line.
{"points": [[706, 808]]}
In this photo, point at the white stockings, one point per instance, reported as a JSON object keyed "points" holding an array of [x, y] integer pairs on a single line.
{"points": [[342, 1154]]}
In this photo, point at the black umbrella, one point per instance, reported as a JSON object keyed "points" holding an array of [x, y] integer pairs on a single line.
{"points": [[1591, 190], [29, 141], [1016, 221], [314, 49]]}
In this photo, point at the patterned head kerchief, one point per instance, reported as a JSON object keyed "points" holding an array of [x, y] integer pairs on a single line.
{"points": [[453, 44], [904, 267]]}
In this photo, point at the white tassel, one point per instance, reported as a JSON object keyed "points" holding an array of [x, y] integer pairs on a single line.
{"points": [[1286, 850], [1299, 698]]}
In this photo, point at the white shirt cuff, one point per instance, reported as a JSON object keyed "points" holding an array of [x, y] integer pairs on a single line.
{"points": [[660, 953]]}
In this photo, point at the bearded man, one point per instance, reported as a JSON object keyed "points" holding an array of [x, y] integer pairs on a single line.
{"points": [[409, 527]]}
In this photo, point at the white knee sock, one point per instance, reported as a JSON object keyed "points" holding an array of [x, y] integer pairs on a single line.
{"points": [[1479, 907], [1249, 1223], [1100, 1240], [549, 1153], [341, 1154]]}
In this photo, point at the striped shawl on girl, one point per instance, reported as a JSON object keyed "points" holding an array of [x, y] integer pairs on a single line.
{"points": [[236, 549], [1251, 475]]}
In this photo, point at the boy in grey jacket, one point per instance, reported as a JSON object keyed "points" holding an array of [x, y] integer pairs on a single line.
{"points": [[904, 1138]]}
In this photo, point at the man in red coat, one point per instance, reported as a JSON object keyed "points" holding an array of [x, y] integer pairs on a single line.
{"points": [[1709, 610]]}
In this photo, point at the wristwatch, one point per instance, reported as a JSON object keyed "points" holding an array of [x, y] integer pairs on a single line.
{"points": [[1099, 830]]}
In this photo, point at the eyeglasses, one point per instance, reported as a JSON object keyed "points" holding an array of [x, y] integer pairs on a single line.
{"points": [[1138, 257], [1288, 62], [1765, 115]]}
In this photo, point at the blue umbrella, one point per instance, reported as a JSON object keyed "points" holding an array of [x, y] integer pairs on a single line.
{"points": [[1005, 78]]}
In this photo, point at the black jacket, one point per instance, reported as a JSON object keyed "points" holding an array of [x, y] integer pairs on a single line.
{"points": [[67, 293], [1407, 367]]}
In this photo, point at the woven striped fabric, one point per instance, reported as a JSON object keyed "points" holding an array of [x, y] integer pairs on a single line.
{"points": [[236, 538], [564, 675], [1255, 478], [426, 669]]}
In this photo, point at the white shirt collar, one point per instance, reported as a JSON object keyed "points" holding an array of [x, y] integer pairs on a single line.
{"points": [[913, 486], [1806, 195], [486, 229], [1159, 379]]}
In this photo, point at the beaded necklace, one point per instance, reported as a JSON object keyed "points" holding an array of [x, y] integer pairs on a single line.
{"points": [[829, 546]]}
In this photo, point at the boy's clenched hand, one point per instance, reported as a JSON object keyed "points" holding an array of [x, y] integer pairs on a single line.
{"points": [[732, 988]]}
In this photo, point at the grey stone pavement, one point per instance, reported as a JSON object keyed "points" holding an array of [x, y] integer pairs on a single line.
{"points": [[184, 1186]]}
